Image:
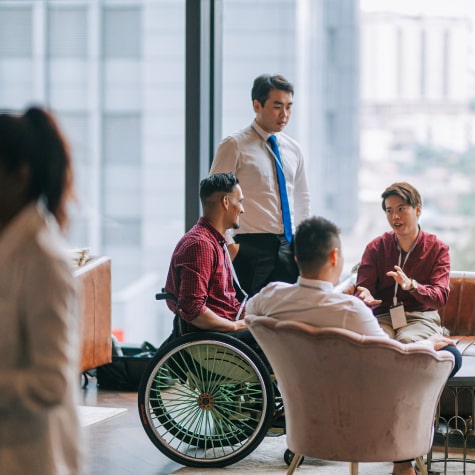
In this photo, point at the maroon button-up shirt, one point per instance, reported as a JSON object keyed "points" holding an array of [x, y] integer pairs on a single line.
{"points": [[428, 263]]}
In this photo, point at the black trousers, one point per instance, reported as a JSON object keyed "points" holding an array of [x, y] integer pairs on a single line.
{"points": [[264, 258], [246, 337]]}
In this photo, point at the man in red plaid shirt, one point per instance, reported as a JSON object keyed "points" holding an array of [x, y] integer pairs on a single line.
{"points": [[200, 274]]}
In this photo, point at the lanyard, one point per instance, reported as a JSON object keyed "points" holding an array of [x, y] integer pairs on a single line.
{"points": [[402, 266], [227, 260]]}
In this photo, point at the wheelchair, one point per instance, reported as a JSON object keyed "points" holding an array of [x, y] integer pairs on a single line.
{"points": [[207, 399]]}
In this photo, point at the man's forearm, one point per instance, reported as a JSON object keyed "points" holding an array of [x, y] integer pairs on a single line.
{"points": [[208, 320]]}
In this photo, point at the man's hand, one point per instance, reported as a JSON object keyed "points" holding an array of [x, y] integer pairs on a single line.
{"points": [[349, 290], [402, 279], [365, 295], [240, 325], [440, 341]]}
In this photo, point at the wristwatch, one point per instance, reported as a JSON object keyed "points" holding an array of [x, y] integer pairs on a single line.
{"points": [[414, 285]]}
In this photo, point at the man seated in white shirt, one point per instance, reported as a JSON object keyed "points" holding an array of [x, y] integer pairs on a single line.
{"points": [[312, 298]]}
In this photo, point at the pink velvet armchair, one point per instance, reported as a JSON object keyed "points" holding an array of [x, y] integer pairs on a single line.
{"points": [[353, 398]]}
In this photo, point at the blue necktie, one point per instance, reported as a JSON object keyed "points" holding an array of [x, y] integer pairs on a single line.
{"points": [[284, 199]]}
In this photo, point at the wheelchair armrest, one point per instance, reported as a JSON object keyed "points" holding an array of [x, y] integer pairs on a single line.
{"points": [[179, 326], [166, 296]]}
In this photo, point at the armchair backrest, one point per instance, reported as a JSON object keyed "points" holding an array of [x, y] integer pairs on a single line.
{"points": [[353, 398]]}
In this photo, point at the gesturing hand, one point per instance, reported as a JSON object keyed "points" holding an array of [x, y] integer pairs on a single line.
{"points": [[365, 295], [402, 279]]}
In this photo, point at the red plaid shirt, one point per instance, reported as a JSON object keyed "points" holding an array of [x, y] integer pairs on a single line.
{"points": [[200, 275]]}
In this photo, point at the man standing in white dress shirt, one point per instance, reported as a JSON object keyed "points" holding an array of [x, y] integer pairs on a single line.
{"points": [[275, 204]]}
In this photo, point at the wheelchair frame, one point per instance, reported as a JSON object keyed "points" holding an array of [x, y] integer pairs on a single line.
{"points": [[206, 399]]}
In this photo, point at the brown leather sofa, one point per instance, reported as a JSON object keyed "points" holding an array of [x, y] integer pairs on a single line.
{"points": [[95, 279], [458, 316]]}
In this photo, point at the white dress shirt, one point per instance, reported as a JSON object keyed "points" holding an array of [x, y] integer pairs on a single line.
{"points": [[314, 302], [247, 154]]}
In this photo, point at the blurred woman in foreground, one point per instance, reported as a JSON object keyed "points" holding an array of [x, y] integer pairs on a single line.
{"points": [[39, 327]]}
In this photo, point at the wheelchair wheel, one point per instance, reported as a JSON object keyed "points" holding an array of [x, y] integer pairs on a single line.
{"points": [[206, 400]]}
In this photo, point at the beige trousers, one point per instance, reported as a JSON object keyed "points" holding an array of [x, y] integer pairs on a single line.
{"points": [[420, 326]]}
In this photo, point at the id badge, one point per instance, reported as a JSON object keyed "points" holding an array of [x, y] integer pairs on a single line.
{"points": [[398, 316]]}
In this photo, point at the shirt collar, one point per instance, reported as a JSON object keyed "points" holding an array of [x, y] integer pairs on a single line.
{"points": [[416, 242], [261, 132], [206, 224], [316, 284]]}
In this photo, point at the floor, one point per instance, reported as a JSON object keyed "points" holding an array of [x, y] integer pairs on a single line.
{"points": [[119, 445]]}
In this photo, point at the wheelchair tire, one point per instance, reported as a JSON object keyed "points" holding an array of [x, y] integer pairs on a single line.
{"points": [[206, 400]]}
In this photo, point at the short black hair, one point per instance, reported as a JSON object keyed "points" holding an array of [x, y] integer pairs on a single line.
{"points": [[314, 239], [265, 82], [224, 182]]}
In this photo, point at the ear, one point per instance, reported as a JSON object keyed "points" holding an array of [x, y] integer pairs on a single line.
{"points": [[334, 256], [418, 210], [256, 106], [225, 201]]}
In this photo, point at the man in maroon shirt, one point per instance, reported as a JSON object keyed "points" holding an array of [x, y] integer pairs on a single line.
{"points": [[404, 274], [404, 277], [200, 274]]}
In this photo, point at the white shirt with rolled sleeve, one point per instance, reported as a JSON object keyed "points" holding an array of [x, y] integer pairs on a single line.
{"points": [[247, 154]]}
